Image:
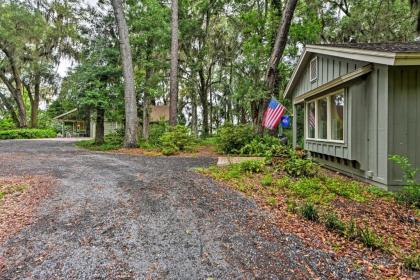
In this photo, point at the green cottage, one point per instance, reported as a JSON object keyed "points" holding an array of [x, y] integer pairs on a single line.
{"points": [[357, 104]]}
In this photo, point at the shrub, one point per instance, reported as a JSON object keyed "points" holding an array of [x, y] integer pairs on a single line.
{"points": [[333, 223], [309, 212], [410, 194], [283, 182], [252, 166], [176, 139], [261, 146], [297, 167], [267, 180], [412, 261], [28, 133], [6, 123], [156, 130], [369, 238], [351, 230], [230, 139], [271, 200]]}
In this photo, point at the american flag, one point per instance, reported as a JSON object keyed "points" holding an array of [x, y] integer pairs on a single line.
{"points": [[273, 114], [311, 119]]}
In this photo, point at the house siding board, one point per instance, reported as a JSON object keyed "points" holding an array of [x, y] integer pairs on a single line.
{"points": [[404, 118], [329, 68]]}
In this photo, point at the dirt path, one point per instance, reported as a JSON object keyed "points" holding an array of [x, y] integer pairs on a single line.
{"points": [[137, 217]]}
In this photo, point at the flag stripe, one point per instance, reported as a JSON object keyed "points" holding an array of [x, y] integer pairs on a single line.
{"points": [[273, 114]]}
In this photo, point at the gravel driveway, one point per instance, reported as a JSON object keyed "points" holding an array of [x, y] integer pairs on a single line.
{"points": [[116, 216]]}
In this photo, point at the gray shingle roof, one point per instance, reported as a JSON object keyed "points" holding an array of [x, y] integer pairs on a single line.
{"points": [[383, 47]]}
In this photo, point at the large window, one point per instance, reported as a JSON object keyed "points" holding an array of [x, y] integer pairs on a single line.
{"points": [[322, 118], [311, 120], [337, 116], [325, 117]]}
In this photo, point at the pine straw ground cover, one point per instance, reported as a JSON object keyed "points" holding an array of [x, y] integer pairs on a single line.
{"points": [[335, 214], [19, 198]]}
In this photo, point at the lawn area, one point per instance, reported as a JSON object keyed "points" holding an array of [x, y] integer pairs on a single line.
{"points": [[332, 212]]}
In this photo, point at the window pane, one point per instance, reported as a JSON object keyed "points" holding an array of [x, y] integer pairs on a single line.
{"points": [[337, 116], [311, 120], [322, 118]]}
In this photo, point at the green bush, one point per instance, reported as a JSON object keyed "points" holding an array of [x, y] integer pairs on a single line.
{"points": [[230, 139], [297, 167], [27, 133], [333, 223], [272, 201], [252, 166], [6, 123], [309, 212], [409, 195], [262, 146], [370, 238], [267, 180], [176, 139], [412, 261], [156, 131]]}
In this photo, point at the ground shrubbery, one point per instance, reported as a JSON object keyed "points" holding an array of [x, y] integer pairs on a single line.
{"points": [[230, 138], [176, 139], [410, 194], [27, 133]]}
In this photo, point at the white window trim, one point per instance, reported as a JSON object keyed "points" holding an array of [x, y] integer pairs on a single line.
{"points": [[342, 91], [313, 60]]}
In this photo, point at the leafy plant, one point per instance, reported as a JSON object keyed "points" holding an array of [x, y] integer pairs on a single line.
{"points": [[351, 231], [409, 171], [252, 166], [333, 223], [27, 133], [369, 238], [176, 139], [271, 200], [267, 180], [297, 167], [309, 212], [410, 194], [230, 139], [283, 182], [412, 261]]}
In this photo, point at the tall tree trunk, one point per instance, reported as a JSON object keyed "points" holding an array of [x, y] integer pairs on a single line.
{"points": [[100, 126], [174, 66], [131, 118], [194, 117], [35, 102], [21, 107], [276, 55], [280, 43], [9, 107], [204, 102], [146, 104]]}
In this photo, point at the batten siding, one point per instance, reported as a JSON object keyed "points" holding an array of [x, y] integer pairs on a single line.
{"points": [[404, 118]]}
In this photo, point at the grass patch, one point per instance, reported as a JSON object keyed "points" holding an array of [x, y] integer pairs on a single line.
{"points": [[309, 212], [14, 188], [370, 238], [412, 261], [267, 180], [333, 223], [272, 201]]}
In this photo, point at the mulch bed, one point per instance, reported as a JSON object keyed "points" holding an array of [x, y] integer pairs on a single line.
{"points": [[386, 217], [21, 197]]}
